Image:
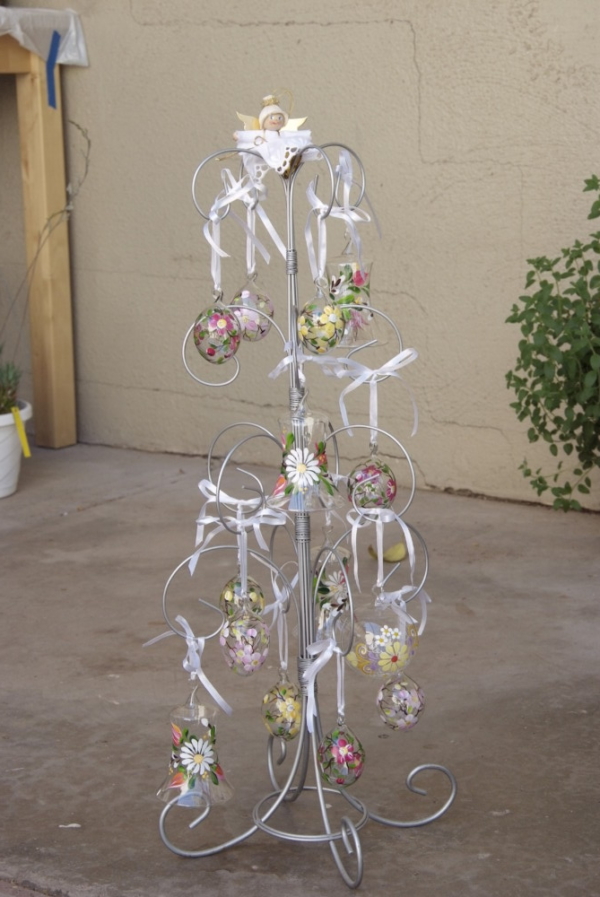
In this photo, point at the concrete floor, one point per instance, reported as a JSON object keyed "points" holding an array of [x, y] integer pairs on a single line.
{"points": [[509, 663]]}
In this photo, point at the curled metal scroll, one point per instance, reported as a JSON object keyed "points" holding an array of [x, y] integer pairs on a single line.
{"points": [[410, 784]]}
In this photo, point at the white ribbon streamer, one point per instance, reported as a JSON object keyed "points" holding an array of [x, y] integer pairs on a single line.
{"points": [[379, 516], [322, 651]]}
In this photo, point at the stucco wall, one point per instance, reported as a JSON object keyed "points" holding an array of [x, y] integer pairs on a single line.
{"points": [[476, 122]]}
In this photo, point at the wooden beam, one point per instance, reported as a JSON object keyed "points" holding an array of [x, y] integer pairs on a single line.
{"points": [[46, 238], [14, 59]]}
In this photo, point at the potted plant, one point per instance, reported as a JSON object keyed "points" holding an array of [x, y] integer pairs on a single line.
{"points": [[556, 377], [13, 441]]}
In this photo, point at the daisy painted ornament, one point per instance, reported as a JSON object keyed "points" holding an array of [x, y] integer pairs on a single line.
{"points": [[282, 709], [372, 484], [244, 640], [232, 597], [320, 326], [217, 334], [383, 644], [401, 702], [253, 312], [194, 770], [341, 757], [304, 483]]}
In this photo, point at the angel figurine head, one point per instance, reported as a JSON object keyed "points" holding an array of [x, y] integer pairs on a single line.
{"points": [[272, 117]]}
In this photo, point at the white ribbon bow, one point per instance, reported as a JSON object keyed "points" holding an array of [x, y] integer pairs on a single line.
{"points": [[192, 662], [396, 602], [348, 367], [264, 515]]}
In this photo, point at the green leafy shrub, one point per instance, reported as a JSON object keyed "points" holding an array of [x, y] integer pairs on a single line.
{"points": [[556, 377]]}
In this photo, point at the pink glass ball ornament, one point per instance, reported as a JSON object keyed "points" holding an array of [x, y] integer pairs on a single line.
{"points": [[253, 325], [244, 640], [194, 770], [282, 709], [372, 484], [400, 702], [217, 334], [381, 646], [341, 757], [231, 599], [320, 326]]}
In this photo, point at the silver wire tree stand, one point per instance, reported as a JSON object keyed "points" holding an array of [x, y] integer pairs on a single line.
{"points": [[236, 519]]}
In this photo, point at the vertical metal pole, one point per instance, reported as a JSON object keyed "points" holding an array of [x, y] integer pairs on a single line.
{"points": [[302, 519]]}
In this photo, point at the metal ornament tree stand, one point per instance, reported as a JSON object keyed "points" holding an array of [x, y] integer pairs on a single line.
{"points": [[308, 487]]}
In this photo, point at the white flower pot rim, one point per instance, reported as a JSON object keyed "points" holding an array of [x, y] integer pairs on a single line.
{"points": [[7, 420]]}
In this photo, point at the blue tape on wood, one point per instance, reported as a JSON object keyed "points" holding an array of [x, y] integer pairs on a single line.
{"points": [[50, 68]]}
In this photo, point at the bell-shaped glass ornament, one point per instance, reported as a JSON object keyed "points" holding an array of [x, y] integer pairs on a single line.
{"points": [[350, 288], [304, 483], [330, 583], [401, 702], [320, 325], [217, 334], [253, 311], [231, 597], [282, 709], [244, 640], [341, 757], [372, 484], [194, 770], [384, 642]]}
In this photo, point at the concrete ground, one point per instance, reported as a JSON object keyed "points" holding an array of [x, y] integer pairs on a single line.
{"points": [[509, 664]]}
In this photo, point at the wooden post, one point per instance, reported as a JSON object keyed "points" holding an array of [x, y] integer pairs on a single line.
{"points": [[46, 238]]}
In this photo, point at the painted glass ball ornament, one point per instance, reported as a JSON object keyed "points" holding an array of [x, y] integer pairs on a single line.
{"points": [[382, 645], [341, 757], [244, 640], [372, 484], [253, 311], [217, 334], [320, 326], [400, 702], [231, 599], [282, 709]]}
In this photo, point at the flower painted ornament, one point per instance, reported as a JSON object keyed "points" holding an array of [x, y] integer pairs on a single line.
{"points": [[383, 644], [231, 599], [253, 311], [341, 757], [330, 582], [320, 326], [244, 640], [372, 484], [195, 773], [304, 483], [400, 702], [350, 288], [282, 709], [217, 334]]}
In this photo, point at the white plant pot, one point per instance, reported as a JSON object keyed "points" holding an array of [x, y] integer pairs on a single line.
{"points": [[10, 449]]}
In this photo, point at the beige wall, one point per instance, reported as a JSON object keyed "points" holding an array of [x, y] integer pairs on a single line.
{"points": [[477, 122]]}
